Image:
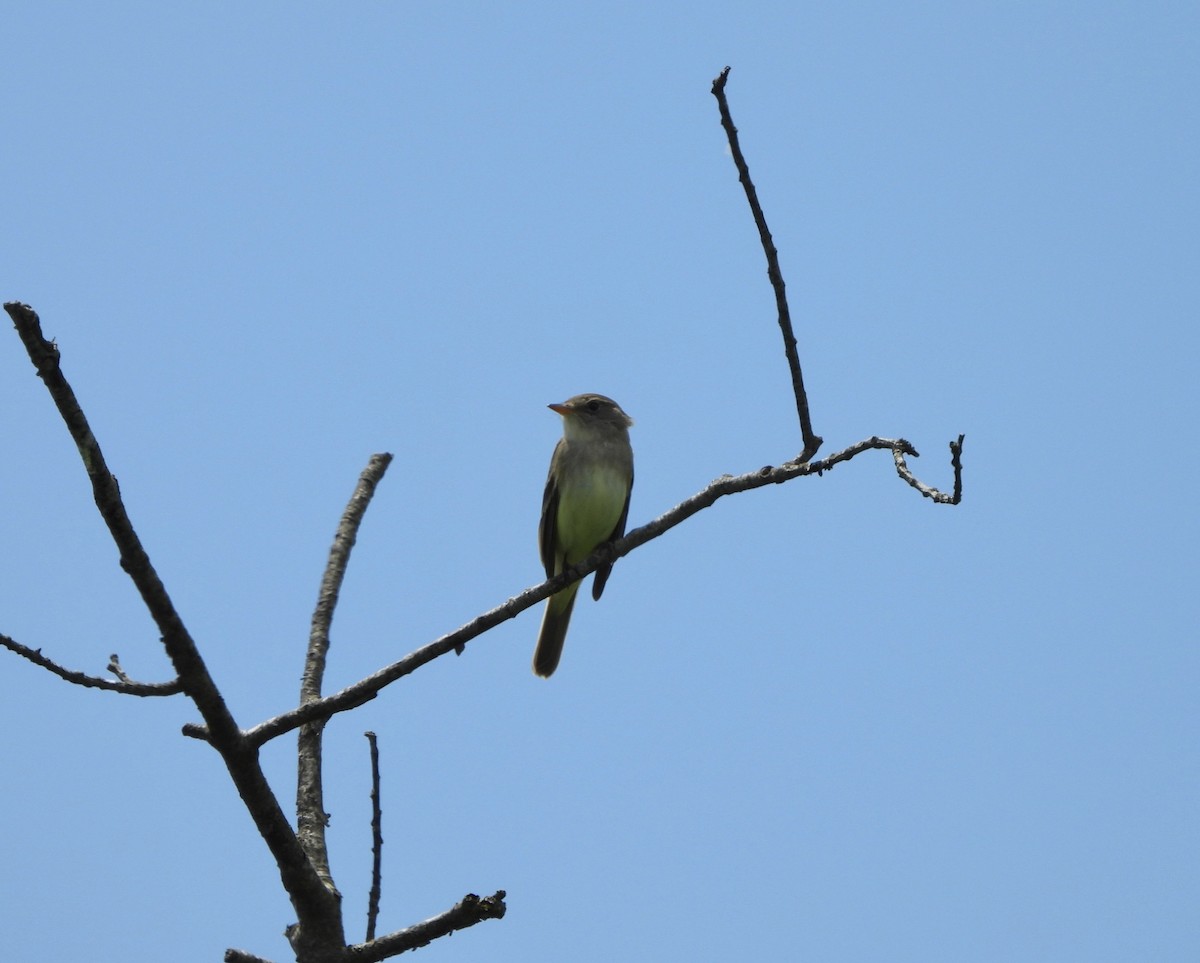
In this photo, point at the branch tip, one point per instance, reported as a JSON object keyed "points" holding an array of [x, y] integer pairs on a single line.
{"points": [[812, 441]]}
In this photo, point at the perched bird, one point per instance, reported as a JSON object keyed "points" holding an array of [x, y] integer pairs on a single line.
{"points": [[585, 505]]}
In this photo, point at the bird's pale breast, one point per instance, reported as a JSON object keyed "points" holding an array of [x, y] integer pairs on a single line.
{"points": [[588, 510]]}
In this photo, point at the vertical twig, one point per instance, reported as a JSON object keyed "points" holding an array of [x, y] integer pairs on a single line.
{"points": [[956, 448], [376, 840], [812, 442], [311, 818]]}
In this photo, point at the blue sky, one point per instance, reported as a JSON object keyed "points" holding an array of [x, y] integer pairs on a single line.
{"points": [[825, 721]]}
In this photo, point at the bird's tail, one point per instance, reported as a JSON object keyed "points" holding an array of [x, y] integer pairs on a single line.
{"points": [[554, 631]]}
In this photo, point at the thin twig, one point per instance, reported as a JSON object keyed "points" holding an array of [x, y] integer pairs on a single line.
{"points": [[376, 840], [311, 819], [125, 686], [473, 909], [812, 442]]}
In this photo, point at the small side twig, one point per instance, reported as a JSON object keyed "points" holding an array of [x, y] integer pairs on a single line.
{"points": [[473, 909], [812, 441], [114, 666], [376, 840], [125, 685]]}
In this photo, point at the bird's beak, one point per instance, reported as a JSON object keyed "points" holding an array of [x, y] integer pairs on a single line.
{"points": [[563, 410]]}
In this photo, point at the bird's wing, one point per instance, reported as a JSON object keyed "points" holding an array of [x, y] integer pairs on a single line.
{"points": [[603, 571], [547, 534]]}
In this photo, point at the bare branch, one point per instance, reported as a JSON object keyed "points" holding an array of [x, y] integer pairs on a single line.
{"points": [[335, 573], [376, 840], [366, 689], [473, 909], [812, 442], [315, 905], [134, 560], [311, 819], [125, 686]]}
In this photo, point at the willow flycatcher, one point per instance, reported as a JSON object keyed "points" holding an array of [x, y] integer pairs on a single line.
{"points": [[585, 505]]}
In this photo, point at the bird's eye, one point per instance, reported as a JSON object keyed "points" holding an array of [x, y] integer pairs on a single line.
{"points": [[593, 405]]}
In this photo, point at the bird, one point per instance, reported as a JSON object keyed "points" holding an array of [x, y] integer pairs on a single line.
{"points": [[585, 504]]}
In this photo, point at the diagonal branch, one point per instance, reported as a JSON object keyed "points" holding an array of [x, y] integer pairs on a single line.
{"points": [[812, 442], [197, 683], [125, 686], [314, 904], [366, 689]]}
